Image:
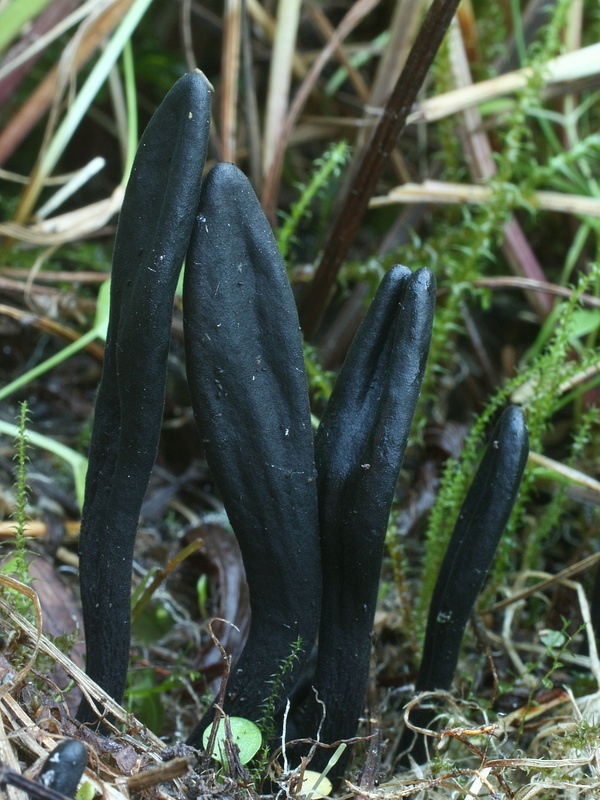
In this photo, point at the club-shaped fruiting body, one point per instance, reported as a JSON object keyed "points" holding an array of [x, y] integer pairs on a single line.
{"points": [[359, 451], [480, 524], [154, 229], [249, 392], [64, 767]]}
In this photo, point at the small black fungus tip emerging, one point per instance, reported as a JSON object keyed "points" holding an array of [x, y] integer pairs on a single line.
{"points": [[64, 767]]}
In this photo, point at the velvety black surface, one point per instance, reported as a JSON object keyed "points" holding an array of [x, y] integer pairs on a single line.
{"points": [[250, 397], [359, 450], [153, 234], [481, 522], [64, 767]]}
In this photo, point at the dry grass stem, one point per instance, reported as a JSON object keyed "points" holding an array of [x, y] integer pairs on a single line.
{"points": [[560, 71], [443, 192], [68, 227], [562, 470], [280, 76], [353, 17], [230, 71], [507, 282], [568, 572], [18, 728]]}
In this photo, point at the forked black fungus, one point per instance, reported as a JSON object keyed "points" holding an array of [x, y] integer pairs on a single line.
{"points": [[359, 451], [479, 527], [154, 229], [249, 392]]}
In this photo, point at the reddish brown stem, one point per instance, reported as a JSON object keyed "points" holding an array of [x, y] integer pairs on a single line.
{"points": [[382, 142]]}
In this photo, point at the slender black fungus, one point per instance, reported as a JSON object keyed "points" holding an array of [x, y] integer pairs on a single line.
{"points": [[249, 392], [154, 230], [359, 450], [64, 767], [481, 522]]}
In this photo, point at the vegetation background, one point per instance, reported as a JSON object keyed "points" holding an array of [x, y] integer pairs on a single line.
{"points": [[494, 185]]}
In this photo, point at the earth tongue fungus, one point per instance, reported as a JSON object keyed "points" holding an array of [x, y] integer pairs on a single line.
{"points": [[64, 767], [480, 524], [249, 391], [359, 450], [154, 230], [310, 514]]}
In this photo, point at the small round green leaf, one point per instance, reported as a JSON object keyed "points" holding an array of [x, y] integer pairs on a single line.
{"points": [[245, 734], [86, 791], [552, 639], [315, 785]]}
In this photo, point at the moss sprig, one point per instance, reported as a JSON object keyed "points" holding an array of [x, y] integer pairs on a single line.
{"points": [[18, 564], [538, 390], [326, 169], [268, 722], [469, 245]]}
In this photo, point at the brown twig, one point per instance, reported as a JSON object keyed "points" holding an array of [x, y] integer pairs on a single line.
{"points": [[382, 142], [162, 773], [49, 326], [210, 745]]}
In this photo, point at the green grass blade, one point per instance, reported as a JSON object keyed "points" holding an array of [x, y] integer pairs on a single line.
{"points": [[15, 16], [76, 461], [85, 97]]}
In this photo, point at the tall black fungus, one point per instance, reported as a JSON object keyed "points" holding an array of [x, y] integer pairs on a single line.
{"points": [[154, 229], [359, 450], [250, 396]]}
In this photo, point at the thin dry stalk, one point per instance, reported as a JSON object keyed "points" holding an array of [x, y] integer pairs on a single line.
{"points": [[403, 31], [8, 758], [185, 23], [513, 606], [564, 70], [270, 189], [54, 20], [68, 227], [230, 70], [327, 31], [20, 588], [269, 26], [568, 572], [362, 90], [506, 282], [252, 117], [452, 193], [564, 471], [280, 77]]}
